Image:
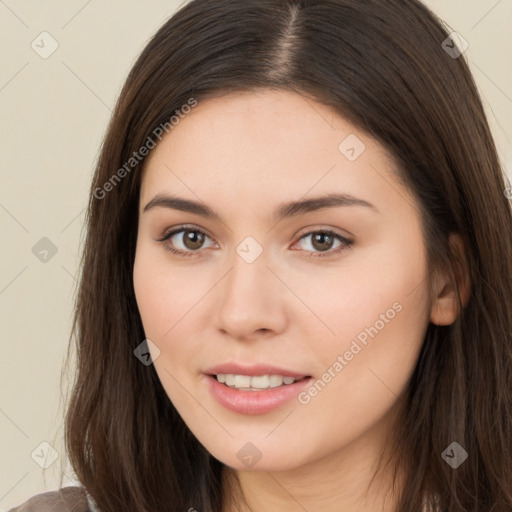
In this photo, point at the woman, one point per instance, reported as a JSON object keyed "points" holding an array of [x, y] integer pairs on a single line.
{"points": [[334, 330]]}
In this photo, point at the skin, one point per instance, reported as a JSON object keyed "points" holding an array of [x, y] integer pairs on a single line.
{"points": [[243, 155]]}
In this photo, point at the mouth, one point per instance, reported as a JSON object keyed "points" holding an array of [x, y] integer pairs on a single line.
{"points": [[254, 388], [255, 394], [256, 382]]}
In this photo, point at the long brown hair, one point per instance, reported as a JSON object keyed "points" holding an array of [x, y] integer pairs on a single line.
{"points": [[385, 66]]}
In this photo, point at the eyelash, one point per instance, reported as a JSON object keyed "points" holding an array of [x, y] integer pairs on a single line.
{"points": [[346, 243]]}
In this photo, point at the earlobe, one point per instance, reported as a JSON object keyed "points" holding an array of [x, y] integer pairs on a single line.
{"points": [[445, 308], [444, 311]]}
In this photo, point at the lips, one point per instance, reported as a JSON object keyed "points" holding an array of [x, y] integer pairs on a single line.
{"points": [[253, 370], [254, 402]]}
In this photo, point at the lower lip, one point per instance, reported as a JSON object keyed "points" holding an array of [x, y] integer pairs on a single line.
{"points": [[255, 402]]}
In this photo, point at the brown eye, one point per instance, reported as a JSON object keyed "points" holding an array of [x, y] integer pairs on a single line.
{"points": [[193, 239], [322, 241], [184, 241]]}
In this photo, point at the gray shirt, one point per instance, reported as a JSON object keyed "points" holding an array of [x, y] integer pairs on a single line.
{"points": [[66, 499]]}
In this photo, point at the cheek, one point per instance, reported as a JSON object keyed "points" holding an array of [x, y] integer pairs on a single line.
{"points": [[380, 319], [162, 294], [167, 299], [362, 382], [161, 303], [371, 292]]}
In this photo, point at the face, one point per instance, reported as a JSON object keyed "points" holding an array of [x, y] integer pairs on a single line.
{"points": [[329, 292]]}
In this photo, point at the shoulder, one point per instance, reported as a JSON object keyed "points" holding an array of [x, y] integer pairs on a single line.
{"points": [[66, 499]]}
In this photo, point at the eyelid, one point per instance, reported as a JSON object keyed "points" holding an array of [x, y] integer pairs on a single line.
{"points": [[304, 231], [181, 227], [319, 227]]}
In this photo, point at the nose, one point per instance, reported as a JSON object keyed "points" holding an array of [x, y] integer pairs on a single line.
{"points": [[252, 300]]}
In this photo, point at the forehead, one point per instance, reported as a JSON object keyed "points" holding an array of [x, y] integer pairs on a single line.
{"points": [[276, 144]]}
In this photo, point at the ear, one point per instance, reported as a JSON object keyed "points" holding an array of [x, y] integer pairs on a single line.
{"points": [[445, 308]]}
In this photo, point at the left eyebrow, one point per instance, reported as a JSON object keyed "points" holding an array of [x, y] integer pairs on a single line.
{"points": [[285, 210]]}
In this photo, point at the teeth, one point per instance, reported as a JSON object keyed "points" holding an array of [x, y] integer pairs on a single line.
{"points": [[275, 380], [256, 383], [260, 382], [242, 381]]}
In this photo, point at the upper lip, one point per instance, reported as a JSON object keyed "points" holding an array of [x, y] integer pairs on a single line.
{"points": [[253, 370]]}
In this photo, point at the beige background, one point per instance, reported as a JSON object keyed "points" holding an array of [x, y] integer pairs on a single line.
{"points": [[54, 113]]}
